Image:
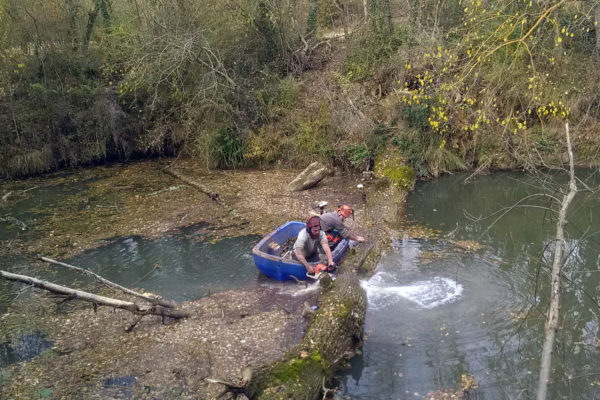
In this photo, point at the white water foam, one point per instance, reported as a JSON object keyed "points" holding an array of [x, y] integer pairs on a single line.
{"points": [[292, 288], [427, 294]]}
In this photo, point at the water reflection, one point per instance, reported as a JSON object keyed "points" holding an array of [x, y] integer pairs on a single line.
{"points": [[175, 267], [493, 328]]}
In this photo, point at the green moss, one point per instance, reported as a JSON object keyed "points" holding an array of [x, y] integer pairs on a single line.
{"points": [[342, 311], [402, 176], [293, 370], [392, 167]]}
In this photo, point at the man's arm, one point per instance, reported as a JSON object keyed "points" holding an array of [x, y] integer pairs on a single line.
{"points": [[309, 268], [327, 251], [354, 236]]}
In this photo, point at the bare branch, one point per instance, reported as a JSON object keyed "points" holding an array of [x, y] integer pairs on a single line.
{"points": [[554, 308], [151, 299], [93, 298]]}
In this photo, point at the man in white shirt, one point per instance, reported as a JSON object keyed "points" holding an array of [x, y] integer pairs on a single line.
{"points": [[310, 241]]}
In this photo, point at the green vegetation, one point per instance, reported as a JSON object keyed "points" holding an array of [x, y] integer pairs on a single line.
{"points": [[448, 85], [293, 369]]}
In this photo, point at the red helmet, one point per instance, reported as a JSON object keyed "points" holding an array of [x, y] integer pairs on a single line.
{"points": [[345, 210]]}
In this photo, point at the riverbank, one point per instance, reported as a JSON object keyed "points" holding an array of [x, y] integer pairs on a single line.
{"points": [[93, 352]]}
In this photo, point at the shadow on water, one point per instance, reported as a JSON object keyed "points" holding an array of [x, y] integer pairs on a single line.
{"points": [[436, 312]]}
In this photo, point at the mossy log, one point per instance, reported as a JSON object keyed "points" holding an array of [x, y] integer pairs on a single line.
{"points": [[334, 333]]}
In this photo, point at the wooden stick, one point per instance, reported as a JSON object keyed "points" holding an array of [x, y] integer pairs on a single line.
{"points": [[154, 300], [93, 298], [204, 189]]}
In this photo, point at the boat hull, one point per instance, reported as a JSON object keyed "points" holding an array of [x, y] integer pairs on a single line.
{"points": [[269, 260]]}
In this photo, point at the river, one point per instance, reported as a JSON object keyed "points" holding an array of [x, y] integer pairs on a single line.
{"points": [[440, 309], [440, 314]]}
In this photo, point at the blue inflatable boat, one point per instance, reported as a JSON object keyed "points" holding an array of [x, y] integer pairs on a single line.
{"points": [[270, 261]]}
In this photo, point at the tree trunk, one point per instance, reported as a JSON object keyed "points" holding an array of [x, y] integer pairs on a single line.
{"points": [[95, 299], [597, 21], [334, 334], [554, 308]]}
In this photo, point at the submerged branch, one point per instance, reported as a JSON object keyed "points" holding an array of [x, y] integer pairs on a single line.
{"points": [[152, 299], [96, 299], [204, 189]]}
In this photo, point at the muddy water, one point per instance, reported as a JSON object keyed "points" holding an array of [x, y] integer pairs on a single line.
{"points": [[437, 312]]}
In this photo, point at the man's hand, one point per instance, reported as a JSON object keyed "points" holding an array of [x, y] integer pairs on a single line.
{"points": [[309, 268], [331, 266]]}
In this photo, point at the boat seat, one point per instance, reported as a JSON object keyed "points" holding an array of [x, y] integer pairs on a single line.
{"points": [[274, 249]]}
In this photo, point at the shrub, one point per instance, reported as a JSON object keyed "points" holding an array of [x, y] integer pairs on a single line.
{"points": [[229, 148], [357, 155]]}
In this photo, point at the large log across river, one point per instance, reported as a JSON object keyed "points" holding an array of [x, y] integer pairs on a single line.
{"points": [[335, 330], [334, 333]]}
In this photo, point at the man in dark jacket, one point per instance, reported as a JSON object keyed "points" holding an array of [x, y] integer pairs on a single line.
{"points": [[334, 220]]}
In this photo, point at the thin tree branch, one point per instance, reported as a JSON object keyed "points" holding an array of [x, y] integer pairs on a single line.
{"points": [[93, 298], [554, 308], [151, 299]]}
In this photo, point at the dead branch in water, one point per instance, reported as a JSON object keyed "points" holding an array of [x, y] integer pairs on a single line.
{"points": [[96, 299], [557, 263], [169, 189], [14, 221], [204, 189], [152, 299]]}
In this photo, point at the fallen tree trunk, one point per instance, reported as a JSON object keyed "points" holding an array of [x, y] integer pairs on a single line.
{"points": [[154, 300], [334, 333], [96, 299]]}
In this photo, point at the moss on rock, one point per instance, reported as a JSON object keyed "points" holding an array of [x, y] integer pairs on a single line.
{"points": [[391, 167]]}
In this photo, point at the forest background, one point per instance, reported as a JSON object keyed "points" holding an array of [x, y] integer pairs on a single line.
{"points": [[445, 84]]}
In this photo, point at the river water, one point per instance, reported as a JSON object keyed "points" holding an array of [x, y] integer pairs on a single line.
{"points": [[438, 314], [435, 311]]}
